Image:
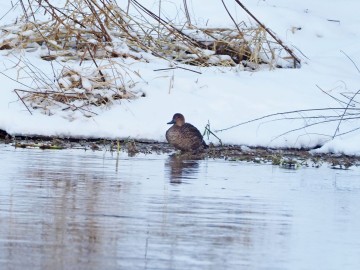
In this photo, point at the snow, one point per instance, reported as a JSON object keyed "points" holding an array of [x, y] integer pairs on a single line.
{"points": [[222, 96]]}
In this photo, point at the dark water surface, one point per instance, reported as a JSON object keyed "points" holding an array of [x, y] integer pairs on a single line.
{"points": [[72, 209]]}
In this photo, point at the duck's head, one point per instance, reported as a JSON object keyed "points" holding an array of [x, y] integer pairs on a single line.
{"points": [[178, 119]]}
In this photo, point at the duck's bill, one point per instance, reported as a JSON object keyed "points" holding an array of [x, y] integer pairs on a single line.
{"points": [[171, 122]]}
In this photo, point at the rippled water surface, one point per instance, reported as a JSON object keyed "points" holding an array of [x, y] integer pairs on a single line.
{"points": [[74, 209]]}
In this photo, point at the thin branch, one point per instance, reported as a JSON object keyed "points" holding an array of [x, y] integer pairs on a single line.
{"points": [[32, 11], [347, 132], [162, 69], [342, 116], [16, 80], [349, 97], [24, 10], [310, 125], [296, 48], [284, 113], [23, 102], [208, 131], [190, 70], [169, 26], [231, 17], [335, 117], [52, 12], [13, 6], [270, 33], [46, 93], [187, 12], [93, 59], [351, 60], [326, 93], [177, 67], [91, 5]]}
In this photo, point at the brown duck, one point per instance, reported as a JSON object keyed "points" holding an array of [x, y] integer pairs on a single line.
{"points": [[184, 136]]}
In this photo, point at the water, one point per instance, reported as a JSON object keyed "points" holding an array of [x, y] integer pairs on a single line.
{"points": [[72, 209]]}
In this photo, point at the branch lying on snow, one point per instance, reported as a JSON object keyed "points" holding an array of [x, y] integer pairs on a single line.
{"points": [[312, 117], [287, 113], [177, 67], [333, 97], [344, 113], [352, 61], [350, 111], [315, 124], [22, 101]]}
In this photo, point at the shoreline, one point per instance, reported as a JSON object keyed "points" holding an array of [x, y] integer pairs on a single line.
{"points": [[289, 158]]}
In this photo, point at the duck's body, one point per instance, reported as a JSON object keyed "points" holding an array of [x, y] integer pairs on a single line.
{"points": [[184, 136]]}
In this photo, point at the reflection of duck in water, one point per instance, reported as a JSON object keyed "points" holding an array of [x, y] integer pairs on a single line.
{"points": [[179, 168], [184, 136]]}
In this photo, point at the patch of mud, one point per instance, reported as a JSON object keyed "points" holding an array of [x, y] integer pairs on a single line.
{"points": [[286, 158]]}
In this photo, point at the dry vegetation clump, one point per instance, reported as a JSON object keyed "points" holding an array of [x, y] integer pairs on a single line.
{"points": [[99, 34], [77, 90]]}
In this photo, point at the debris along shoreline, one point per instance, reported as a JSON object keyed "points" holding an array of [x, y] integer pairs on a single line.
{"points": [[290, 158]]}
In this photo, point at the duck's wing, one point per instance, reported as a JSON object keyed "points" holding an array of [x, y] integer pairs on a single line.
{"points": [[190, 129], [194, 133]]}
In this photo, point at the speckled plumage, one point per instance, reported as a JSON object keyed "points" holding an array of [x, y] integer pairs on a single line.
{"points": [[184, 136]]}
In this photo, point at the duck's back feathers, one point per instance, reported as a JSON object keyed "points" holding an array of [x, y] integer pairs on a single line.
{"points": [[185, 137]]}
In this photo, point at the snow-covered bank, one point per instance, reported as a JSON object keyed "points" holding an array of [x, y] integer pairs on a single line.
{"points": [[225, 96]]}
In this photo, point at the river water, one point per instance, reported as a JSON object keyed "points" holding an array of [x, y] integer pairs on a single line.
{"points": [[75, 209]]}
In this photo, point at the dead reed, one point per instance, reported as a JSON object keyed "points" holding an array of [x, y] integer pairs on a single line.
{"points": [[101, 33]]}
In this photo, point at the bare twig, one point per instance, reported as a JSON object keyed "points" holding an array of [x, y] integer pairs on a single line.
{"points": [[347, 132], [231, 17], [285, 113], [24, 10], [335, 98], [296, 59], [187, 12], [313, 124], [342, 116], [177, 67], [190, 70], [91, 5], [23, 101], [93, 59], [352, 61], [208, 132], [32, 11], [53, 9], [15, 80], [13, 6]]}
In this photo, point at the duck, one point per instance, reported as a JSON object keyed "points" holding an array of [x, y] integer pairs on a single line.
{"points": [[184, 136]]}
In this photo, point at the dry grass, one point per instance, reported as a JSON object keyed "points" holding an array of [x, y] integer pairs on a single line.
{"points": [[88, 29], [99, 32]]}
